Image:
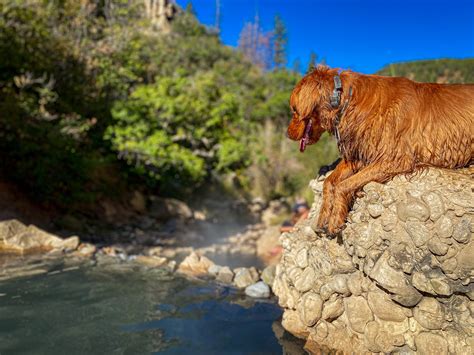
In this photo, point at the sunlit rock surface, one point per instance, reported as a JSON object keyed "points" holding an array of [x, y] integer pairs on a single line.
{"points": [[402, 278]]}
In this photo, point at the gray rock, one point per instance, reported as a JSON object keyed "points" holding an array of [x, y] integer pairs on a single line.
{"points": [[245, 277], [258, 290], [225, 275], [462, 231], [395, 282]]}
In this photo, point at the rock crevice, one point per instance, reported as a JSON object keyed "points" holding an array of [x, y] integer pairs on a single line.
{"points": [[401, 280]]}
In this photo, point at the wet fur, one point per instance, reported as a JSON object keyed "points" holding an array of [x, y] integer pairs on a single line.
{"points": [[391, 126]]}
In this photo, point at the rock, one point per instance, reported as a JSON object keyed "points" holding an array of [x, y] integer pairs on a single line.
{"points": [[268, 275], [150, 261], [225, 275], [435, 204], [418, 232], [375, 210], [310, 308], [86, 250], [430, 343], [332, 309], [429, 313], [395, 282], [214, 270], [168, 208], [17, 238], [195, 265], [245, 277], [358, 313], [462, 231], [69, 244], [413, 209], [304, 282], [400, 281], [258, 290], [384, 308]]}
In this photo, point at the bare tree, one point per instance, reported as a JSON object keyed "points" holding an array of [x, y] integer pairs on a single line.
{"points": [[255, 44]]}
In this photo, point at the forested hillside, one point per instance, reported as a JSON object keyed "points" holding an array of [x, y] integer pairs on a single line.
{"points": [[98, 97], [434, 71]]}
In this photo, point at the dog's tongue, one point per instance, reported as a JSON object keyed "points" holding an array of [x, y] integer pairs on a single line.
{"points": [[306, 134]]}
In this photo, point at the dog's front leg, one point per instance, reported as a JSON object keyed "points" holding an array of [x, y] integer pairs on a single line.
{"points": [[344, 191], [342, 171]]}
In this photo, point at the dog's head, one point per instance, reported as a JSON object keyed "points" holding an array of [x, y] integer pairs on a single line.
{"points": [[310, 104]]}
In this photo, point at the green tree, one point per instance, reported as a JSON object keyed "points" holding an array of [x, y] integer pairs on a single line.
{"points": [[280, 43]]}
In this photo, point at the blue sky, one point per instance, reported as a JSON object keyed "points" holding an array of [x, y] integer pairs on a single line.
{"points": [[361, 35]]}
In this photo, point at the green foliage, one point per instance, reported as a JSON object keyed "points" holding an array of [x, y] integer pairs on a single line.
{"points": [[280, 42], [439, 70], [94, 97]]}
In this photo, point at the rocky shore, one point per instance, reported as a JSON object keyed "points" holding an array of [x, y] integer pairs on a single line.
{"points": [[401, 278], [170, 235]]}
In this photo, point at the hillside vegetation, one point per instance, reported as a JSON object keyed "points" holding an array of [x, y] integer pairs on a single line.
{"points": [[97, 100], [434, 71]]}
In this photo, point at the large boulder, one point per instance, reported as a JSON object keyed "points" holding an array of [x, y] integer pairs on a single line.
{"points": [[401, 280], [15, 237]]}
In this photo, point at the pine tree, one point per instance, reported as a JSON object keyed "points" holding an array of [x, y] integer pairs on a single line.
{"points": [[280, 41], [313, 60]]}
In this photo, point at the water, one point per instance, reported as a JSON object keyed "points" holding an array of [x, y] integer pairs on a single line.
{"points": [[122, 308]]}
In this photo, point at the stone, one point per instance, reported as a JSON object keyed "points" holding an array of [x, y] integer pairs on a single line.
{"points": [[358, 313], [395, 281], [413, 209], [310, 308], [332, 309], [435, 204], [168, 208], [214, 270], [225, 275], [437, 246], [70, 244], [86, 250], [462, 231], [195, 265], [465, 259], [258, 290], [305, 280], [268, 275], [30, 239], [384, 308], [444, 227], [150, 261], [431, 343], [429, 313], [418, 232], [375, 210], [422, 283], [398, 273], [245, 277], [301, 259]]}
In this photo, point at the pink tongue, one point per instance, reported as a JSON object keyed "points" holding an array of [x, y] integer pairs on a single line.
{"points": [[303, 144], [305, 138]]}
